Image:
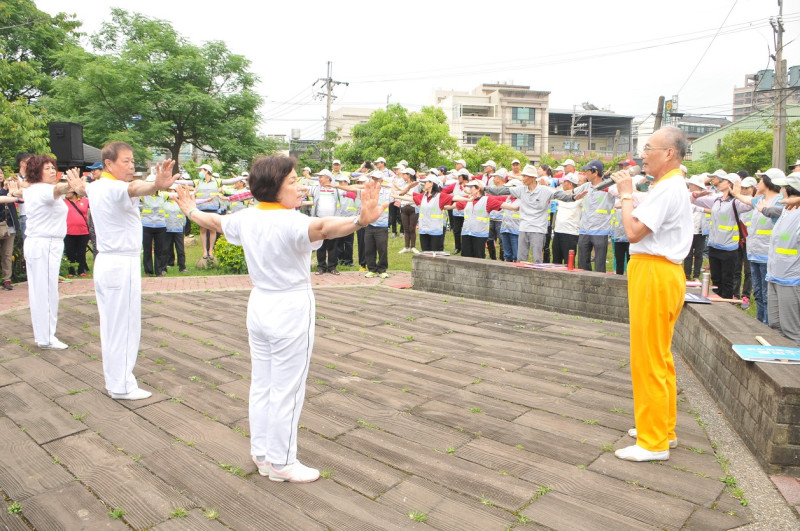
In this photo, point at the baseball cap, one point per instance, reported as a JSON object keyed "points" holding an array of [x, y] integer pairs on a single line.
{"points": [[697, 180], [749, 182], [595, 165], [377, 174], [380, 159], [515, 161], [326, 173], [342, 177], [337, 161], [530, 171], [572, 177], [461, 161], [489, 163], [720, 173], [246, 174], [206, 167], [409, 171], [773, 173], [464, 172], [793, 180], [513, 182], [502, 172], [730, 177], [797, 163], [307, 169], [568, 162], [95, 166], [627, 162]]}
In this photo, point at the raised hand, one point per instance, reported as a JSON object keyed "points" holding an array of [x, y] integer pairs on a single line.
{"points": [[164, 176], [185, 200], [76, 182], [371, 207]]}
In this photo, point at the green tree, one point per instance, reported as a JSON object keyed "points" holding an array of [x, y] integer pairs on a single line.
{"points": [[745, 150], [151, 87], [488, 149], [421, 138]]}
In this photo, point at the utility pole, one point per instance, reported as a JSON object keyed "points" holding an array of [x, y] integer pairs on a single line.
{"points": [[659, 114], [616, 143], [779, 121], [328, 83]]}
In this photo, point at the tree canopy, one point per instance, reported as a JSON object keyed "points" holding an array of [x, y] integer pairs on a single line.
{"points": [[393, 133], [488, 149], [149, 86]]}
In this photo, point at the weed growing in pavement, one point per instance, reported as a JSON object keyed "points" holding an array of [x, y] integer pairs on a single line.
{"points": [[417, 516], [180, 512], [116, 513], [211, 514]]}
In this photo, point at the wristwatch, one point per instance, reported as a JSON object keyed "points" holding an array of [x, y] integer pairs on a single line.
{"points": [[356, 223], [623, 197]]}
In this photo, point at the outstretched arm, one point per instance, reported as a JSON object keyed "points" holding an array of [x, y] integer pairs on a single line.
{"points": [[207, 220], [335, 227], [164, 179]]}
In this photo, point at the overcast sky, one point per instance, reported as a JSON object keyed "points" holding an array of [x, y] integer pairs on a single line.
{"points": [[619, 55]]}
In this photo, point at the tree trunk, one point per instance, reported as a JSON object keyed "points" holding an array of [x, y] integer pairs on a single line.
{"points": [[175, 150]]}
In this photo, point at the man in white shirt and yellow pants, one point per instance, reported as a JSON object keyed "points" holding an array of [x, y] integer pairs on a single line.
{"points": [[660, 231]]}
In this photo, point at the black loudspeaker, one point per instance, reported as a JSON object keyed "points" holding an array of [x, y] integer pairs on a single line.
{"points": [[66, 143]]}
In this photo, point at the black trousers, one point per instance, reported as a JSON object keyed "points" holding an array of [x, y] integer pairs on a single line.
{"points": [[394, 218], [473, 246], [327, 259], [587, 242], [75, 249], [344, 249], [742, 289], [175, 246], [494, 233], [458, 223], [154, 244], [376, 243], [430, 242], [547, 239], [621, 256], [723, 265], [562, 244], [362, 251], [695, 257]]}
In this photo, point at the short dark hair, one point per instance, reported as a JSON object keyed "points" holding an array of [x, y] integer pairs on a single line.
{"points": [[21, 157], [267, 175], [36, 165], [791, 191], [111, 151], [435, 188]]}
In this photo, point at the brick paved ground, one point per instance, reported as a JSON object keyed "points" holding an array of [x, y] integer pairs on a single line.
{"points": [[465, 414]]}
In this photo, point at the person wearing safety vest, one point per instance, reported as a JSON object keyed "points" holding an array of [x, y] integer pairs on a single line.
{"points": [[760, 232], [326, 202], [432, 203], [499, 178], [207, 192], [476, 219], [595, 225], [509, 227], [723, 240], [175, 221], [566, 221], [783, 263], [457, 221], [349, 203], [693, 263], [154, 232]]}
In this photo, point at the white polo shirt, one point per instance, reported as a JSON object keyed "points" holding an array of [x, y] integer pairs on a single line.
{"points": [[276, 246], [47, 216], [667, 212], [116, 217]]}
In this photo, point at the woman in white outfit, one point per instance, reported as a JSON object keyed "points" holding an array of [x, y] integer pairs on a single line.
{"points": [[277, 242], [44, 245]]}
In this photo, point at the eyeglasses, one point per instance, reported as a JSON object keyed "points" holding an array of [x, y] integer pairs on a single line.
{"points": [[648, 147]]}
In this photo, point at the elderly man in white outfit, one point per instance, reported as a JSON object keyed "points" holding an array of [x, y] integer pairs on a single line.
{"points": [[117, 270], [277, 242]]}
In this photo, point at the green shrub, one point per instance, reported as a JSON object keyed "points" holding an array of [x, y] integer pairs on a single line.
{"points": [[18, 271], [230, 257]]}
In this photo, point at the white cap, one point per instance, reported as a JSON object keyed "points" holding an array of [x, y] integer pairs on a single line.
{"points": [[515, 161], [307, 169], [376, 174], [342, 177], [403, 163], [502, 172], [530, 171], [793, 180], [337, 161], [461, 161], [464, 172], [773, 173], [697, 180], [720, 173], [730, 177], [683, 169], [559, 168], [568, 162], [380, 159], [362, 178], [749, 182], [206, 167], [513, 182], [572, 177], [215, 174], [326, 173], [246, 174], [474, 183], [489, 163], [409, 171], [434, 171]]}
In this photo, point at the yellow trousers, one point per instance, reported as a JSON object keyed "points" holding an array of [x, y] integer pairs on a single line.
{"points": [[656, 288]]}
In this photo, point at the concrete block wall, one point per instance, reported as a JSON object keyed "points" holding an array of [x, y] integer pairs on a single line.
{"points": [[760, 400]]}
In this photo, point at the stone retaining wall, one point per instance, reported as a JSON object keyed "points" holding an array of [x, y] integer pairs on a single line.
{"points": [[760, 400]]}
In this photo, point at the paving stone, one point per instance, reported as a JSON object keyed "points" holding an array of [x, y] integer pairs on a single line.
{"points": [[558, 511], [444, 509], [7, 377], [579, 430], [195, 520], [117, 424], [33, 411], [48, 380], [117, 480], [241, 505], [708, 520], [69, 507], [25, 468]]}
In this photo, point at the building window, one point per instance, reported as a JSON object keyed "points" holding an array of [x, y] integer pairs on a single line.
{"points": [[523, 142], [520, 115], [472, 137], [467, 110]]}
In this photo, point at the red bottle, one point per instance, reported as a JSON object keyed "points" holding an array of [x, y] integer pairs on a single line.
{"points": [[571, 261]]}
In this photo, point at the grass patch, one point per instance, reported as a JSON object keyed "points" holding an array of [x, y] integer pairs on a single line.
{"points": [[417, 516], [180, 512], [116, 513]]}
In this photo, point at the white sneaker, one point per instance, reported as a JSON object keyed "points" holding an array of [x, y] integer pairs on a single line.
{"points": [[673, 443], [297, 472], [414, 250], [263, 466], [404, 250], [639, 454], [54, 344], [136, 394]]}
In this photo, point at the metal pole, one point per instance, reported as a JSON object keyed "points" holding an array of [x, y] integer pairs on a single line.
{"points": [[779, 122]]}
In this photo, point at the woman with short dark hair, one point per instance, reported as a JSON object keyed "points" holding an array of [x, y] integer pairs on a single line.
{"points": [[277, 242]]}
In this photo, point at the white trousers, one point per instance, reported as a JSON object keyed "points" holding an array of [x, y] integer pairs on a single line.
{"points": [[42, 262], [118, 288], [281, 332]]}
